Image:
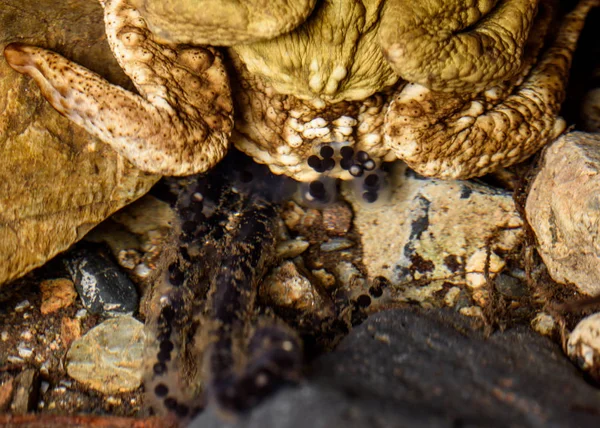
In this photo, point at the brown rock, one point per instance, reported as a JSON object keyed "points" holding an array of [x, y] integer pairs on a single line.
{"points": [[287, 288], [56, 182], [57, 294], [70, 330], [291, 214], [26, 391]]}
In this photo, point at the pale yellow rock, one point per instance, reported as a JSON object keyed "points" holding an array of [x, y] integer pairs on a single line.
{"points": [[432, 232], [563, 209], [544, 324]]}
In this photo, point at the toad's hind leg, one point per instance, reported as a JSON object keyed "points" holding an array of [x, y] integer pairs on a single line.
{"points": [[461, 136], [178, 125]]}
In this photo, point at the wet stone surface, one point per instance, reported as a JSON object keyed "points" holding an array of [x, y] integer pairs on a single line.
{"points": [[104, 288], [109, 358], [432, 369]]}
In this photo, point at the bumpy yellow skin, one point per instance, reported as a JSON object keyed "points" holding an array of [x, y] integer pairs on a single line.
{"points": [[456, 88]]}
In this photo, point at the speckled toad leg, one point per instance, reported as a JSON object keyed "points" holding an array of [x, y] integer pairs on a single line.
{"points": [[460, 136], [209, 346], [178, 125]]}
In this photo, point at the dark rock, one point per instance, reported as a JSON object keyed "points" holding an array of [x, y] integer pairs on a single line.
{"points": [[103, 287], [418, 369]]}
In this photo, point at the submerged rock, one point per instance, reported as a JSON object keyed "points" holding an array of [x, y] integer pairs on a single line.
{"points": [[424, 369]]}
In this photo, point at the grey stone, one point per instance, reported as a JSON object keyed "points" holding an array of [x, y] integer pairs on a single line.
{"points": [[109, 357], [102, 286], [432, 369], [563, 209]]}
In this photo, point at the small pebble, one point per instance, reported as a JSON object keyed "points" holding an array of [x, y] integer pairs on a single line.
{"points": [[509, 286], [26, 334], [337, 219], [286, 287], [70, 330], [24, 351], [336, 244], [544, 324], [57, 294], [81, 313], [326, 279], [109, 357], [471, 311], [142, 270], [292, 214], [291, 248], [21, 306], [347, 273]]}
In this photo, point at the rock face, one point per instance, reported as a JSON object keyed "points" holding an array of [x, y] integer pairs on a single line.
{"points": [[563, 208], [56, 182], [437, 232], [430, 368]]}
